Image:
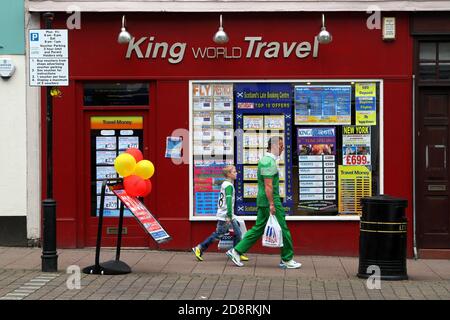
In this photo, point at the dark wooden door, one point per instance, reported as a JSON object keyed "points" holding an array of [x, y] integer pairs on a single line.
{"points": [[432, 168]]}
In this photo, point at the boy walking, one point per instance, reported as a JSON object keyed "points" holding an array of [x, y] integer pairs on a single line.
{"points": [[268, 202], [225, 215]]}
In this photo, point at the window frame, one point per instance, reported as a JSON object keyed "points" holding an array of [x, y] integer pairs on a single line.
{"points": [[192, 217]]}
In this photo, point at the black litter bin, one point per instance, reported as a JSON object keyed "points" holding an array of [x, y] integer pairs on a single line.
{"points": [[382, 239]]}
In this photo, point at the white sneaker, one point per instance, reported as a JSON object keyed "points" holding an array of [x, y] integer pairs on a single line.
{"points": [[234, 256], [291, 264]]}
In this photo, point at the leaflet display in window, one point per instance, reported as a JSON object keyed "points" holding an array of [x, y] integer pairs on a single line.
{"points": [[262, 111], [110, 136], [213, 142], [322, 127]]}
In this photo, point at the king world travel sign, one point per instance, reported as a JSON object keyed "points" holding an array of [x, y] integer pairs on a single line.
{"points": [[256, 47]]}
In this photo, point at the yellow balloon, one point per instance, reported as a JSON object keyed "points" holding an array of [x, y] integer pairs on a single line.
{"points": [[125, 164], [144, 169]]}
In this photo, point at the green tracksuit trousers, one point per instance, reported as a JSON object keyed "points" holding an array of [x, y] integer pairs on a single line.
{"points": [[255, 233]]}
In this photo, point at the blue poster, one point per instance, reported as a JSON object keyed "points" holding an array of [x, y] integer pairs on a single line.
{"points": [[322, 105], [262, 110]]}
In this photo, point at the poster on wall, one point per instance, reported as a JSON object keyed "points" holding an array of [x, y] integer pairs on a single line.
{"points": [[262, 110], [366, 104], [355, 182], [323, 105], [173, 147], [356, 145], [317, 168], [111, 136]]}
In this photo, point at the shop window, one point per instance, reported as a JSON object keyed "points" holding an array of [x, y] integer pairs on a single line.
{"points": [[331, 134], [434, 60], [116, 94]]}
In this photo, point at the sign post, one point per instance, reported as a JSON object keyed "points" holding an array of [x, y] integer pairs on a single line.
{"points": [[142, 215], [49, 67]]}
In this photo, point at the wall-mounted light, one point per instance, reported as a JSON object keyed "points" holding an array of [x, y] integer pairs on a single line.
{"points": [[220, 36], [324, 36], [124, 35]]}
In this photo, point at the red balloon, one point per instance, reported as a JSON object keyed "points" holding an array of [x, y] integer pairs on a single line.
{"points": [[148, 189], [135, 186], [136, 153]]}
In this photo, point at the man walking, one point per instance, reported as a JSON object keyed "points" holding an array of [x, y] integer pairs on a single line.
{"points": [[268, 202]]}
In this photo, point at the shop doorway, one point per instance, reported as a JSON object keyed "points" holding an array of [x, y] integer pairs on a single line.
{"points": [[106, 135], [433, 168]]}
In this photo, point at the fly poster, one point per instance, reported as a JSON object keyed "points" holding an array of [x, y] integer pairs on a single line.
{"points": [[323, 105], [317, 168], [213, 142], [262, 110]]}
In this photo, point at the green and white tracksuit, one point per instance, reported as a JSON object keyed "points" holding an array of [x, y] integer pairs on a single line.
{"points": [[225, 205], [225, 209], [267, 168]]}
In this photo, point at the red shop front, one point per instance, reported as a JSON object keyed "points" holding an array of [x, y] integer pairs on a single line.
{"points": [[172, 80]]}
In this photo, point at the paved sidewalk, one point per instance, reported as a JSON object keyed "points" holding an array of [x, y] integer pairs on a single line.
{"points": [[171, 275]]}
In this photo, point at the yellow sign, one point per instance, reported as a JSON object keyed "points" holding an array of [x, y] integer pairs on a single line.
{"points": [[367, 118], [355, 182], [365, 90], [116, 122], [366, 107]]}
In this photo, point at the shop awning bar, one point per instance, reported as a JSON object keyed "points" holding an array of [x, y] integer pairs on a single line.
{"points": [[234, 6]]}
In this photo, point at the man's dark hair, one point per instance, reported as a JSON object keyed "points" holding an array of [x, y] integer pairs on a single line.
{"points": [[273, 140]]}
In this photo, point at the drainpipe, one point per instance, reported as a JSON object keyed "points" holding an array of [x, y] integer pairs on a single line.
{"points": [[414, 164]]}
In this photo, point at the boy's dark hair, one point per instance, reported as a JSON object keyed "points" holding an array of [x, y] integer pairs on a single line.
{"points": [[273, 140]]}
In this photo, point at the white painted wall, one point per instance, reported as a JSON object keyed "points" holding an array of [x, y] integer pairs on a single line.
{"points": [[33, 135], [13, 146]]}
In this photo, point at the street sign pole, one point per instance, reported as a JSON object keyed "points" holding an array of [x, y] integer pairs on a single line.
{"points": [[49, 254]]}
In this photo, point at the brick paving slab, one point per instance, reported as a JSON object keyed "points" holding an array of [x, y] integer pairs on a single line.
{"points": [[154, 262], [220, 289], [441, 267], [329, 268], [12, 255], [247, 270], [180, 263], [420, 270], [31, 260], [248, 289], [262, 289], [207, 287], [234, 289], [213, 264]]}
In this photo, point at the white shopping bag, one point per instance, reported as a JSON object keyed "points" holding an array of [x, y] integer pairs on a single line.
{"points": [[242, 226], [273, 236], [226, 242]]}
